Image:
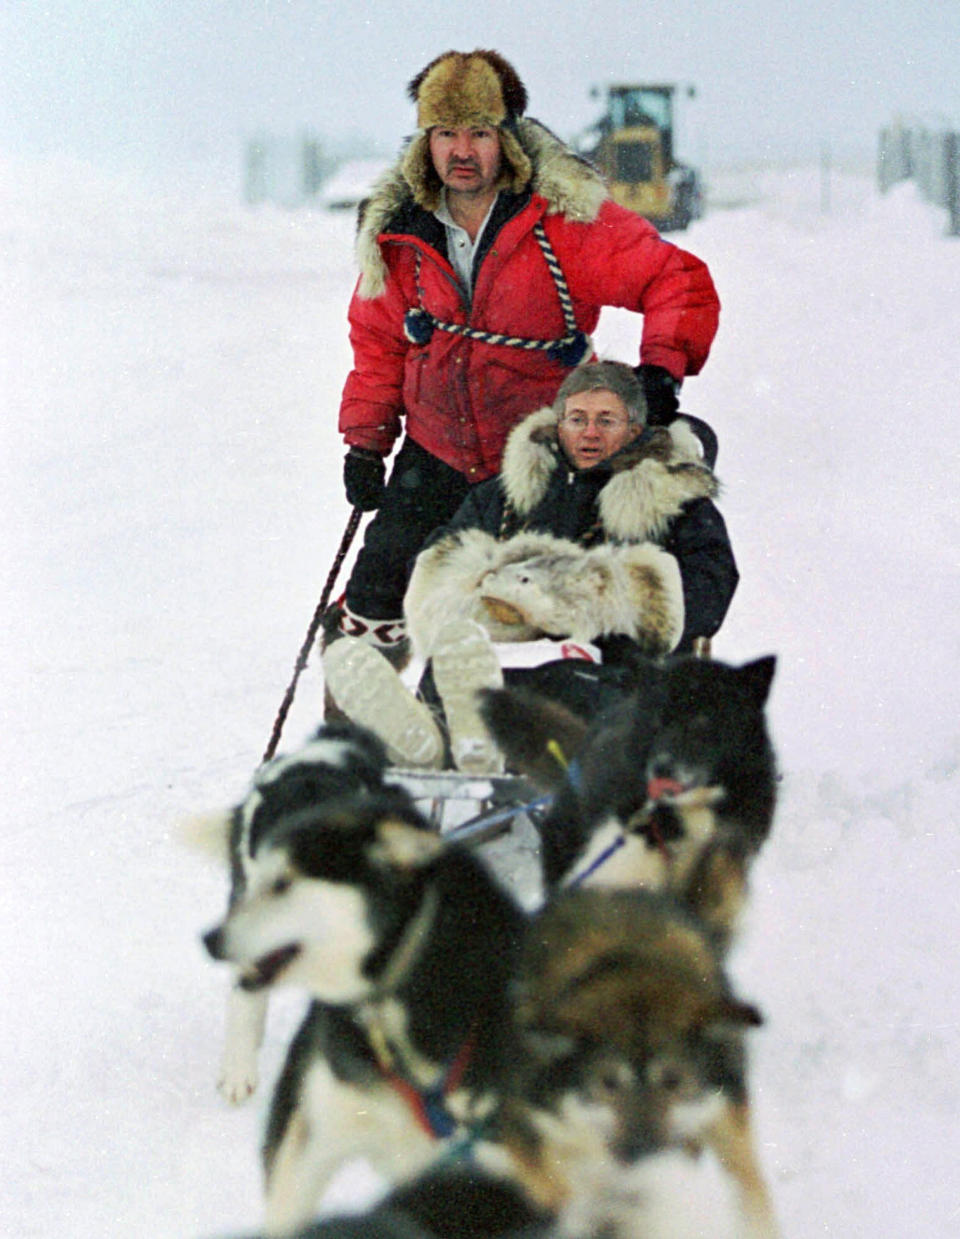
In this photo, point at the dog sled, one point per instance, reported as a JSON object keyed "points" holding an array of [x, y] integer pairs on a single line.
{"points": [[465, 805], [468, 807]]}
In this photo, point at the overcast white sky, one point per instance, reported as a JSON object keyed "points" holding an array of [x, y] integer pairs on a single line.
{"points": [[149, 85]]}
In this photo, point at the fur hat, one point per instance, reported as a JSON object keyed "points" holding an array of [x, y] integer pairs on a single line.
{"points": [[460, 89]]}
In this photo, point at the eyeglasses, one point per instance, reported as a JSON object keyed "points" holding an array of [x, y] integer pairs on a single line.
{"points": [[606, 423]]}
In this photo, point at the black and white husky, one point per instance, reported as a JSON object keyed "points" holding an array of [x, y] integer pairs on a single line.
{"points": [[338, 760], [406, 944]]}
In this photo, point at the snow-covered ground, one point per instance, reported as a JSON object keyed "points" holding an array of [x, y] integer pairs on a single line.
{"points": [[171, 502]]}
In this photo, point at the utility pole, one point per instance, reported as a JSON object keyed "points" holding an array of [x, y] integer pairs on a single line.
{"points": [[951, 156]]}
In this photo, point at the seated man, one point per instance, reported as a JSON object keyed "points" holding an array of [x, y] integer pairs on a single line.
{"points": [[599, 530]]}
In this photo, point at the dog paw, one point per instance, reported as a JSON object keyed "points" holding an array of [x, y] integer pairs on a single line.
{"points": [[236, 1085]]}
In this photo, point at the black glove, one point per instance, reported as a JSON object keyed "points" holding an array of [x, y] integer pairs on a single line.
{"points": [[363, 474], [661, 390]]}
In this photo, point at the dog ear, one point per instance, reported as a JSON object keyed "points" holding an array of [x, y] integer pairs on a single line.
{"points": [[543, 1043], [208, 834], [732, 1012], [401, 847], [546, 1047], [539, 736], [758, 677]]}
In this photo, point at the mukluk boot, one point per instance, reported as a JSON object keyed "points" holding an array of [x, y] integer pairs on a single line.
{"points": [[388, 637], [364, 687], [464, 661]]}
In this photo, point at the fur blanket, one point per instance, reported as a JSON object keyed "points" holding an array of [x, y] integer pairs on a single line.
{"points": [[536, 585]]}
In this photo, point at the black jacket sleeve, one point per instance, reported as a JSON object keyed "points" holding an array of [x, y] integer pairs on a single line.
{"points": [[481, 509], [699, 541]]}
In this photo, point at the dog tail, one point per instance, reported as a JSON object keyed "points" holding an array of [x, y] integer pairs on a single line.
{"points": [[540, 737], [208, 834]]}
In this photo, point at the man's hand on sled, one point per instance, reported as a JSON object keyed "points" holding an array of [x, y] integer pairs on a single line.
{"points": [[363, 474], [661, 390]]}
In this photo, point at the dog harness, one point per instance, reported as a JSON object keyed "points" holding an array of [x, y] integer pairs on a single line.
{"points": [[645, 823], [429, 1105], [395, 1062], [597, 863], [570, 350]]}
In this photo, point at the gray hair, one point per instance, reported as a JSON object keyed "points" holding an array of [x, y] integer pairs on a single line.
{"points": [[612, 376]]}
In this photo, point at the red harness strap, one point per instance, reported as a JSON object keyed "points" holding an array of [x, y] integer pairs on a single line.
{"points": [[429, 1105]]}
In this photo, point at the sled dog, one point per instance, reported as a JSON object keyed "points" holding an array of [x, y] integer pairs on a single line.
{"points": [[405, 942], [673, 788], [629, 1060], [337, 760], [632, 978]]}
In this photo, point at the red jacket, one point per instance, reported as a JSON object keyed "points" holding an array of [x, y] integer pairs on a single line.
{"points": [[461, 397]]}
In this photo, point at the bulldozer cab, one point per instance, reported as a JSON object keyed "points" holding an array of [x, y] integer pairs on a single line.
{"points": [[633, 146], [643, 107]]}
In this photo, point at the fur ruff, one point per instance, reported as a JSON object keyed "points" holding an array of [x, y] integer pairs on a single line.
{"points": [[535, 584], [652, 480], [570, 185]]}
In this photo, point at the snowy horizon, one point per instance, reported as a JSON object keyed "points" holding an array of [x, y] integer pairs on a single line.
{"points": [[181, 87], [171, 370]]}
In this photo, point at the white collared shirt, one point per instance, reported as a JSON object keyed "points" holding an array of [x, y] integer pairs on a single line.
{"points": [[460, 248]]}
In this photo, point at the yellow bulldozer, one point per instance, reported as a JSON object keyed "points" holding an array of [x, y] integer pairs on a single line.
{"points": [[633, 146]]}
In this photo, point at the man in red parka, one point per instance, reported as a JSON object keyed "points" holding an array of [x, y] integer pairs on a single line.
{"points": [[486, 255]]}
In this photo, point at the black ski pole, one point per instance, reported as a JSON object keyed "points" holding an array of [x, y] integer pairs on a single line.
{"points": [[348, 536]]}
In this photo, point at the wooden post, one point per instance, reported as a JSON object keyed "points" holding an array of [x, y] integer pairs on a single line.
{"points": [[255, 171], [951, 155], [883, 161]]}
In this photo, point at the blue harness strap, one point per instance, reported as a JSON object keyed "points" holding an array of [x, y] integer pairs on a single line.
{"points": [[429, 1105], [602, 859]]}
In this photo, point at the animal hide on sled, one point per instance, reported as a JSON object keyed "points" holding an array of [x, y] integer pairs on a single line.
{"points": [[536, 585]]}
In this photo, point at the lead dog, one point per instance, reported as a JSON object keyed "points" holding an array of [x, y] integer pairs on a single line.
{"points": [[632, 978], [337, 760], [629, 1057], [406, 943]]}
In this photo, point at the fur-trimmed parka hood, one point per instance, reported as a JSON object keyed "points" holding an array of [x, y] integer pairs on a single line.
{"points": [[649, 482], [570, 185]]}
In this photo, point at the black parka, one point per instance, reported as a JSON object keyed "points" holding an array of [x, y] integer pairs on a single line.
{"points": [[678, 512]]}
